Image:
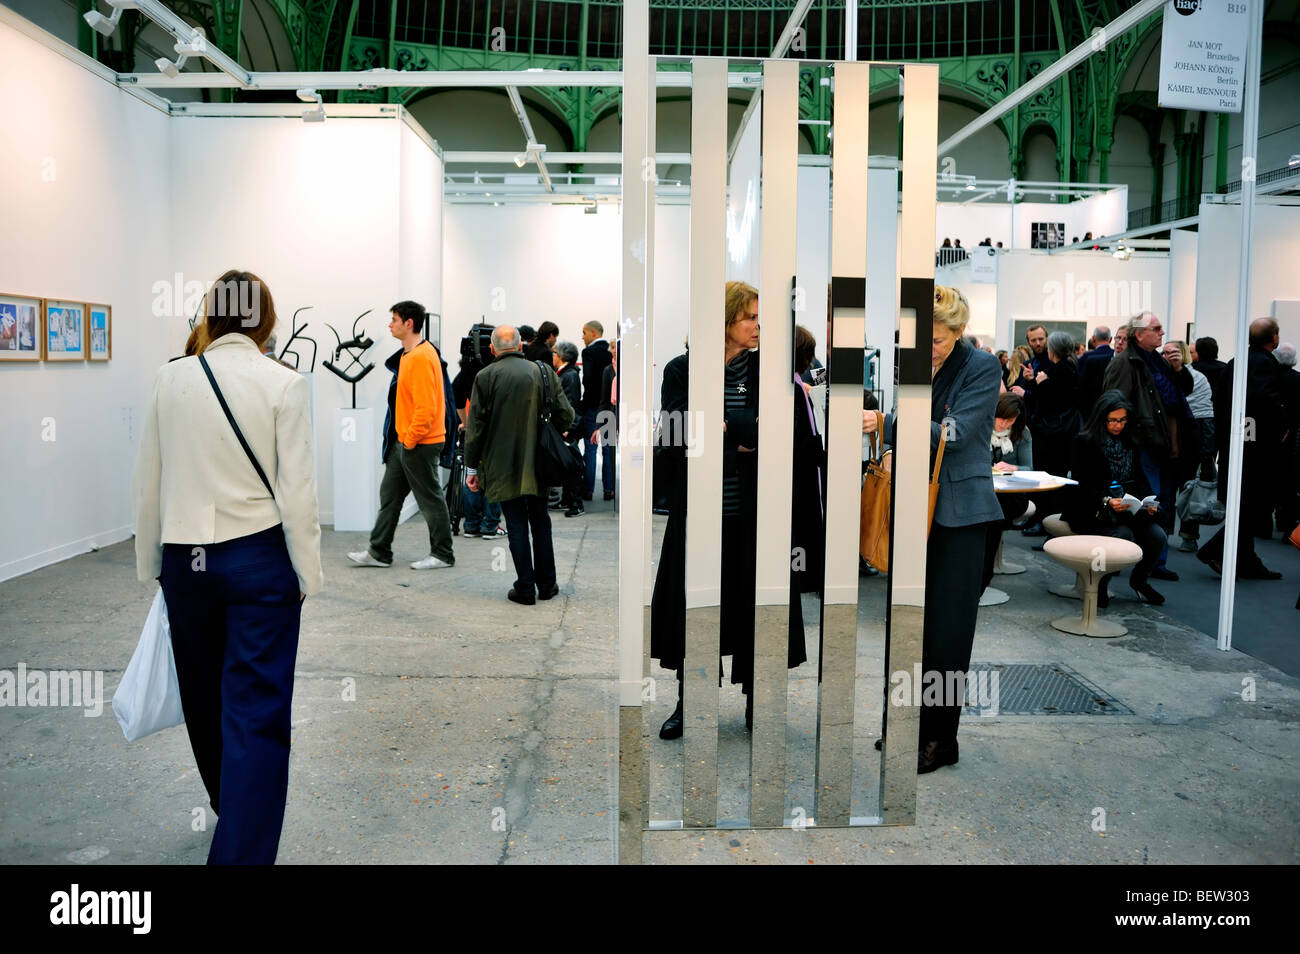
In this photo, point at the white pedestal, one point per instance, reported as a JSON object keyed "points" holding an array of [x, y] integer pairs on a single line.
{"points": [[356, 467]]}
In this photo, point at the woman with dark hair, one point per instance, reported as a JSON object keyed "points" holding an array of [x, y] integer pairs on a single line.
{"points": [[1013, 449], [226, 520], [739, 493], [1106, 463], [540, 347]]}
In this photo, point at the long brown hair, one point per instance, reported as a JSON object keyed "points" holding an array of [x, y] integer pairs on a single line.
{"points": [[1012, 405], [241, 302]]}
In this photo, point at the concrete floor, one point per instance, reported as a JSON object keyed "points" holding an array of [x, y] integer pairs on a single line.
{"points": [[485, 732]]}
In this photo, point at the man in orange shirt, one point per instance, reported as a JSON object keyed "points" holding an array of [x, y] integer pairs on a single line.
{"points": [[412, 467]]}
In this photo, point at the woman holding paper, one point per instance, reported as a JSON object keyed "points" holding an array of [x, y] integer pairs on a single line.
{"points": [[1113, 498]]}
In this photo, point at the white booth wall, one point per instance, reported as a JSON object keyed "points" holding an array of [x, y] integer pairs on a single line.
{"points": [[1085, 286], [1012, 224], [1274, 274], [1182, 283], [83, 188], [108, 200], [268, 197]]}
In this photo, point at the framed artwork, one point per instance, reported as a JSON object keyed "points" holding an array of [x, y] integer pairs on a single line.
{"points": [[99, 332], [20, 328], [65, 331]]}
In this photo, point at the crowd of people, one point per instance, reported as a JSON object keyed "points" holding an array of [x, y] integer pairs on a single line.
{"points": [[1173, 402], [1132, 417]]}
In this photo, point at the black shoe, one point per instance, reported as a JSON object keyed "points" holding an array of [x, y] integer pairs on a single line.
{"points": [[672, 729], [936, 755], [1103, 593], [548, 592], [1033, 531], [575, 511], [661, 511], [1212, 562], [866, 569], [1164, 573], [558, 505], [586, 496], [1258, 572], [526, 599], [609, 495], [880, 745], [1146, 594]]}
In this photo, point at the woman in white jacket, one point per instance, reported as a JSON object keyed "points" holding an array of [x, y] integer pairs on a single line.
{"points": [[229, 528]]}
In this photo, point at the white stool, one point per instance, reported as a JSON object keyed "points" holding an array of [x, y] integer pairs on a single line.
{"points": [[1091, 557], [1056, 527], [1000, 566]]}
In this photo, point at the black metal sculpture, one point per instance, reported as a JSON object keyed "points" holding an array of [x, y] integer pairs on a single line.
{"points": [[355, 347], [298, 333]]}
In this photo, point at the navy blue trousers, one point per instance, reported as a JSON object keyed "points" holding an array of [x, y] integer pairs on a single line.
{"points": [[535, 562], [234, 610], [589, 453]]}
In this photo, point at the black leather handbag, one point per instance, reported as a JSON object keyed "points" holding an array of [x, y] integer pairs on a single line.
{"points": [[556, 461]]}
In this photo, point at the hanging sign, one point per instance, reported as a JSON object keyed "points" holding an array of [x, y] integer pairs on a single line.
{"points": [[1203, 55], [984, 264]]}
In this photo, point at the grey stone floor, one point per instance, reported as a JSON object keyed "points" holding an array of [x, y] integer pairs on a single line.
{"points": [[484, 732]]}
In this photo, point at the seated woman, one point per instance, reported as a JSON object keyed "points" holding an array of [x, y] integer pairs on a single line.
{"points": [[1013, 449], [1107, 465]]}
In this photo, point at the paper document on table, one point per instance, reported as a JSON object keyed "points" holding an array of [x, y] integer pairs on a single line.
{"points": [[1133, 505]]}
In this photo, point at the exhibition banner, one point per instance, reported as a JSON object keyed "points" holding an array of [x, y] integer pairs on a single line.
{"points": [[1203, 55], [984, 264]]}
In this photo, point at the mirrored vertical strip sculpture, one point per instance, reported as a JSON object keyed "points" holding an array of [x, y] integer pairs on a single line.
{"points": [[912, 451], [844, 444], [704, 469], [632, 455], [772, 596]]}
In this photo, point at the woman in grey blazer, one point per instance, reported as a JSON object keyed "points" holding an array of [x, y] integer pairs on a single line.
{"points": [[963, 396]]}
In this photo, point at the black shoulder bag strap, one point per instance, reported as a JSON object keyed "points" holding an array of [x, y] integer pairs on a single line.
{"points": [[546, 394], [221, 399]]}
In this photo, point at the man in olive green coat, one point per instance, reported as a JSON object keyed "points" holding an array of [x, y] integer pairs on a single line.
{"points": [[500, 448]]}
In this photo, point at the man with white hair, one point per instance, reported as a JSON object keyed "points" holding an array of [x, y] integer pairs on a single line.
{"points": [[500, 454]]}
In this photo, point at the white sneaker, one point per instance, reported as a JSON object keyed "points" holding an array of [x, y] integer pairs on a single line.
{"points": [[363, 558], [430, 562]]}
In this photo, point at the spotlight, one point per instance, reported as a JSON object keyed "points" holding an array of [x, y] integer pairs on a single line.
{"points": [[102, 24], [168, 68], [1122, 252], [106, 25], [309, 95], [196, 45], [1293, 161]]}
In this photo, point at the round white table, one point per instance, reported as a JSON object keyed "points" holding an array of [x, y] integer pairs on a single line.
{"points": [[992, 596]]}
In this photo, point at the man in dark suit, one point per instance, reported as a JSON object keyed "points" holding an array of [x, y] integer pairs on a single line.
{"points": [[596, 357], [1036, 338], [1092, 369], [1288, 497], [1261, 453], [1205, 359]]}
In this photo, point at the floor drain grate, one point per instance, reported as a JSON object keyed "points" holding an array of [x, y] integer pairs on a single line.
{"points": [[1022, 689]]}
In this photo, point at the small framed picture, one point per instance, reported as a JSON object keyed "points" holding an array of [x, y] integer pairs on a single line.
{"points": [[99, 332], [65, 331], [20, 328]]}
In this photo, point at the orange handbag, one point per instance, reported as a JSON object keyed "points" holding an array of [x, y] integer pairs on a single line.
{"points": [[877, 489]]}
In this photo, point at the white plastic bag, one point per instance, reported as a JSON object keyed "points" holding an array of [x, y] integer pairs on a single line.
{"points": [[149, 696]]}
